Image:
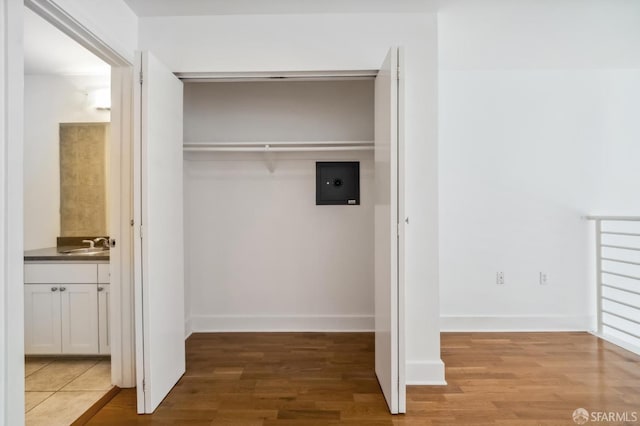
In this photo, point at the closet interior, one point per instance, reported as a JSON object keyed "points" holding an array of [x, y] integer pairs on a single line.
{"points": [[260, 254]]}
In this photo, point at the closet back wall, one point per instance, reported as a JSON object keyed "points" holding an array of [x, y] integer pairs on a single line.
{"points": [[260, 255]]}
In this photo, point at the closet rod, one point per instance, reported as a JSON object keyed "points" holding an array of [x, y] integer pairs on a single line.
{"points": [[268, 148], [205, 77], [312, 146], [274, 144]]}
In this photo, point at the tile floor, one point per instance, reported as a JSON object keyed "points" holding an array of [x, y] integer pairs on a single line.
{"points": [[59, 390]]}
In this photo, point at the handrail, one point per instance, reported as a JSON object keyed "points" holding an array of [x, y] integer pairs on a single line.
{"points": [[622, 266]]}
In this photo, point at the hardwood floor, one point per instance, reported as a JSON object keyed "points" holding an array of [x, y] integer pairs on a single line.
{"points": [[328, 379]]}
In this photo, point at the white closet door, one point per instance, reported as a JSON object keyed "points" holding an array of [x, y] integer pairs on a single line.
{"points": [[388, 332], [159, 251]]}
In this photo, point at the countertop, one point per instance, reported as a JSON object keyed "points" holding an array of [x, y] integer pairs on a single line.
{"points": [[52, 253]]}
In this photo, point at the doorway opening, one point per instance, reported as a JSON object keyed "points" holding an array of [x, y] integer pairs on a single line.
{"points": [[67, 102]]}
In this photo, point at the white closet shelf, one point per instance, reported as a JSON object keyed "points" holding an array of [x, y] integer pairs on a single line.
{"points": [[278, 146], [270, 148]]}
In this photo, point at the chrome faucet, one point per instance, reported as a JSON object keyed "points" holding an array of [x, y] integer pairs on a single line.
{"points": [[105, 242], [90, 242]]}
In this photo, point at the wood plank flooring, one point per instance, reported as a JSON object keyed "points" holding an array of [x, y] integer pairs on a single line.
{"points": [[328, 379]]}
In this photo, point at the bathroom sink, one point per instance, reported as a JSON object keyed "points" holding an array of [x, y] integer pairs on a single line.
{"points": [[86, 251]]}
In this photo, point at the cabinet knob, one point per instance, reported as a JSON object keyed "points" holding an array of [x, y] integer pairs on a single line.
{"points": [[54, 288], [100, 288], [63, 288]]}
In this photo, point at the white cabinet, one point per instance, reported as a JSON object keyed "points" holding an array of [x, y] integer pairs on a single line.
{"points": [[103, 273], [63, 315], [42, 319], [66, 273]]}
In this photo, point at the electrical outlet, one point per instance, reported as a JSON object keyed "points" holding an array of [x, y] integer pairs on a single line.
{"points": [[544, 278], [500, 278]]}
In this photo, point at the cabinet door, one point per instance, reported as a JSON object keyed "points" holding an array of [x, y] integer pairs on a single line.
{"points": [[42, 333], [79, 303], [104, 334]]}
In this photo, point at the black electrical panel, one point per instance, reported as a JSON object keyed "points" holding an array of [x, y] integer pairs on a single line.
{"points": [[337, 182]]}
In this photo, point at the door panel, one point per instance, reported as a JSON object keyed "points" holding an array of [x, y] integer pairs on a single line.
{"points": [[159, 258], [79, 306], [42, 332], [387, 325]]}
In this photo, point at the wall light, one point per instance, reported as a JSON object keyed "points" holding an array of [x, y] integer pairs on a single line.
{"points": [[100, 99]]}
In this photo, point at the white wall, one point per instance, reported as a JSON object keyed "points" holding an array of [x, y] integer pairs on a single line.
{"points": [[49, 101], [279, 111], [538, 120], [332, 42], [263, 257], [111, 21], [619, 174]]}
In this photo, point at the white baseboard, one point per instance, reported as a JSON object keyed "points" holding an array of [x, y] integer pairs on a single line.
{"points": [[515, 323], [187, 328], [266, 323], [425, 373]]}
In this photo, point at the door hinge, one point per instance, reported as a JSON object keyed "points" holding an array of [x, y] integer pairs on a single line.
{"points": [[141, 77], [144, 386], [140, 231]]}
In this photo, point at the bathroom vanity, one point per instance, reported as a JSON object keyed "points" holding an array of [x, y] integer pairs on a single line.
{"points": [[66, 301]]}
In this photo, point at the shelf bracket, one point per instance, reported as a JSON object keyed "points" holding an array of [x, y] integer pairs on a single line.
{"points": [[269, 158]]}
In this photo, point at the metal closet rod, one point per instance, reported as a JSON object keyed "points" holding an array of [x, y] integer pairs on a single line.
{"points": [[279, 146], [613, 218]]}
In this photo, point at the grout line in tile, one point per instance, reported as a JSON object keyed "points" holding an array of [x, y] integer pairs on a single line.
{"points": [[80, 374], [97, 361], [50, 361], [52, 393], [75, 377], [85, 390]]}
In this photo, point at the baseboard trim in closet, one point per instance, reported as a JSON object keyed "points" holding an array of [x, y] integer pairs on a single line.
{"points": [[97, 406], [267, 323]]}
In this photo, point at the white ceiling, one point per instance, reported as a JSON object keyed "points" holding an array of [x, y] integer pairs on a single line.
{"points": [[49, 51], [145, 8]]}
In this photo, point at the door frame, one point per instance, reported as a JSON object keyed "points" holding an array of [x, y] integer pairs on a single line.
{"points": [[120, 186], [11, 228], [11, 263]]}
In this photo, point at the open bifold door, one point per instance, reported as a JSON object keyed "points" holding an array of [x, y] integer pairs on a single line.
{"points": [[158, 223], [389, 326]]}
